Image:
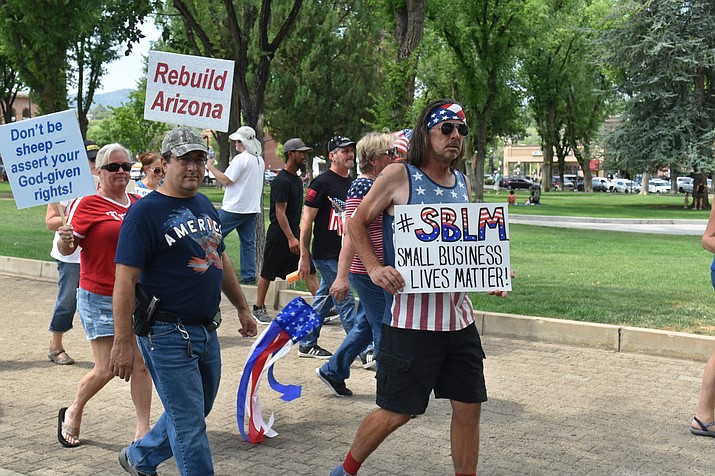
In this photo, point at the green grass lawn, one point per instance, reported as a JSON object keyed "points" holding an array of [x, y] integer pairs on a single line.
{"points": [[644, 280]]}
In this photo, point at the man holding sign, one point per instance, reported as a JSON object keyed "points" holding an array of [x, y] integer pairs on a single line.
{"points": [[429, 340]]}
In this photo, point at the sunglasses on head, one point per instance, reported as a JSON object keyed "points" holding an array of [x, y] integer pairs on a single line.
{"points": [[448, 127], [158, 171], [114, 167]]}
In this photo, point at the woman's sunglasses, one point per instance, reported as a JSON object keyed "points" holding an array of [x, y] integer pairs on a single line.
{"points": [[158, 171], [114, 167], [392, 153], [448, 127]]}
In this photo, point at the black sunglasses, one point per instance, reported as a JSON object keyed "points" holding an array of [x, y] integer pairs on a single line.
{"points": [[157, 171], [114, 167], [392, 153], [448, 127]]}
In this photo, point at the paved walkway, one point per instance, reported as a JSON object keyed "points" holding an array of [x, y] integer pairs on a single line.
{"points": [[552, 410]]}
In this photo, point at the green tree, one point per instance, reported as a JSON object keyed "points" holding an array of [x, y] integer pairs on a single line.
{"points": [[246, 31], [555, 41], [483, 36], [105, 26], [9, 86], [36, 40], [325, 73], [664, 54]]}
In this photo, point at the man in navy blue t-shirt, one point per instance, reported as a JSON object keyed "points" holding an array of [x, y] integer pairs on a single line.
{"points": [[171, 242]]}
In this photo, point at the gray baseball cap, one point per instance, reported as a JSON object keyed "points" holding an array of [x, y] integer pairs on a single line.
{"points": [[182, 140], [295, 144]]}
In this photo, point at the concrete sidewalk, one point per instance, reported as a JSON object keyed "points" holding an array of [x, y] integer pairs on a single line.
{"points": [[553, 409]]}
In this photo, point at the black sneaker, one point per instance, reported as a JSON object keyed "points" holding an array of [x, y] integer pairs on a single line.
{"points": [[368, 359], [333, 314], [314, 351], [338, 388], [260, 315]]}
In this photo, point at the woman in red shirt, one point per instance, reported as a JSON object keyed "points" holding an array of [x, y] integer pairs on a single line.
{"points": [[93, 224]]}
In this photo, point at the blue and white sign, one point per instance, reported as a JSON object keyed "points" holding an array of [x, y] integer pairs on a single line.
{"points": [[45, 159]]}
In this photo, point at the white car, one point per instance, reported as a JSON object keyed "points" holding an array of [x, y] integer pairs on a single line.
{"points": [[685, 184], [658, 186], [624, 186], [136, 172]]}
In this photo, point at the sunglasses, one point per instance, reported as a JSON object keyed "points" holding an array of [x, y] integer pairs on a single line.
{"points": [[448, 127], [392, 153], [114, 167], [158, 171]]}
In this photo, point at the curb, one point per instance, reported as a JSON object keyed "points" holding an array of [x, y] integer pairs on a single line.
{"points": [[557, 331]]}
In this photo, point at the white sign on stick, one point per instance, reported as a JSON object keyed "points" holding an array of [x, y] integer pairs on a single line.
{"points": [[189, 90], [453, 247], [45, 159]]}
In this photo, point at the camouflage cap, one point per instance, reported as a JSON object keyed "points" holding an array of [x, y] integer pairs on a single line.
{"points": [[182, 140]]}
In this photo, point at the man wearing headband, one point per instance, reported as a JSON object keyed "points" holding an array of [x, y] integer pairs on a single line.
{"points": [[429, 341]]}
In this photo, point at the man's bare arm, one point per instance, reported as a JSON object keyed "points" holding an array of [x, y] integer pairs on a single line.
{"points": [[122, 357]]}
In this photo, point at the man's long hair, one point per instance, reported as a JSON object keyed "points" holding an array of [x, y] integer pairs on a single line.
{"points": [[419, 145]]}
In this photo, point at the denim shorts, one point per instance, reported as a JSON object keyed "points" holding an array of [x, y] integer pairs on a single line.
{"points": [[95, 312]]}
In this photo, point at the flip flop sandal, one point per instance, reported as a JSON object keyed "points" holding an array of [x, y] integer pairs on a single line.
{"points": [[62, 426], [54, 356], [704, 429]]}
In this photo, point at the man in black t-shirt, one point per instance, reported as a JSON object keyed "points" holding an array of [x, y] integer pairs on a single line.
{"points": [[282, 251], [329, 188]]}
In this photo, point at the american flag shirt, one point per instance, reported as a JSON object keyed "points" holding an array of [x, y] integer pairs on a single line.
{"points": [[427, 311], [356, 193]]}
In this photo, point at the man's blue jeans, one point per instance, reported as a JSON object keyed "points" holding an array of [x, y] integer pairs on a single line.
{"points": [[328, 269], [187, 386], [66, 304], [245, 226], [368, 324]]}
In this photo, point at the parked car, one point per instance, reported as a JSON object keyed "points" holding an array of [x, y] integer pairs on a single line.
{"points": [[658, 186], [516, 181], [136, 172], [269, 175], [557, 185], [685, 184], [624, 186], [598, 184]]}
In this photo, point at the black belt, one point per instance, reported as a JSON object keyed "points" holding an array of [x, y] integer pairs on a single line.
{"points": [[162, 316]]}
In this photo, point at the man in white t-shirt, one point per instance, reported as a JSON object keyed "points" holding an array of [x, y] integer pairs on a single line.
{"points": [[243, 180]]}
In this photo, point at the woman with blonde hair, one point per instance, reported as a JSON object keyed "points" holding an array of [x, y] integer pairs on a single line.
{"points": [[93, 224]]}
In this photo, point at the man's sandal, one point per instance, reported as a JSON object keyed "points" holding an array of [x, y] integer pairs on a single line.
{"points": [[60, 357]]}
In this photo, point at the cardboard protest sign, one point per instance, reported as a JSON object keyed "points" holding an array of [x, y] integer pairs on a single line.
{"points": [[188, 90], [452, 247], [45, 159]]}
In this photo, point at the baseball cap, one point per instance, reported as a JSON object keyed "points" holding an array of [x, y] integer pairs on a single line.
{"points": [[92, 148], [295, 144], [182, 140], [247, 136], [339, 141]]}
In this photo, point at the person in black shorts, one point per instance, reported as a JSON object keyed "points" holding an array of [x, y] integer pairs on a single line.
{"points": [[282, 250]]}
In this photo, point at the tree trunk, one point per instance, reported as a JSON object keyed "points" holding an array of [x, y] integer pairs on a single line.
{"points": [[409, 28]]}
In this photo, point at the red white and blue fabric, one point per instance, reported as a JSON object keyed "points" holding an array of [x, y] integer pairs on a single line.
{"points": [[292, 324], [446, 112], [339, 207], [402, 140]]}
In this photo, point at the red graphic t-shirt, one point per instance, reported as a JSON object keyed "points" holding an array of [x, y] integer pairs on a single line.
{"points": [[96, 220]]}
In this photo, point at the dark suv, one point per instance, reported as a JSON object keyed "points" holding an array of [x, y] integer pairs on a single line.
{"points": [[517, 181]]}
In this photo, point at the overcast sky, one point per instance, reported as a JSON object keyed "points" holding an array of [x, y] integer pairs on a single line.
{"points": [[126, 71]]}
